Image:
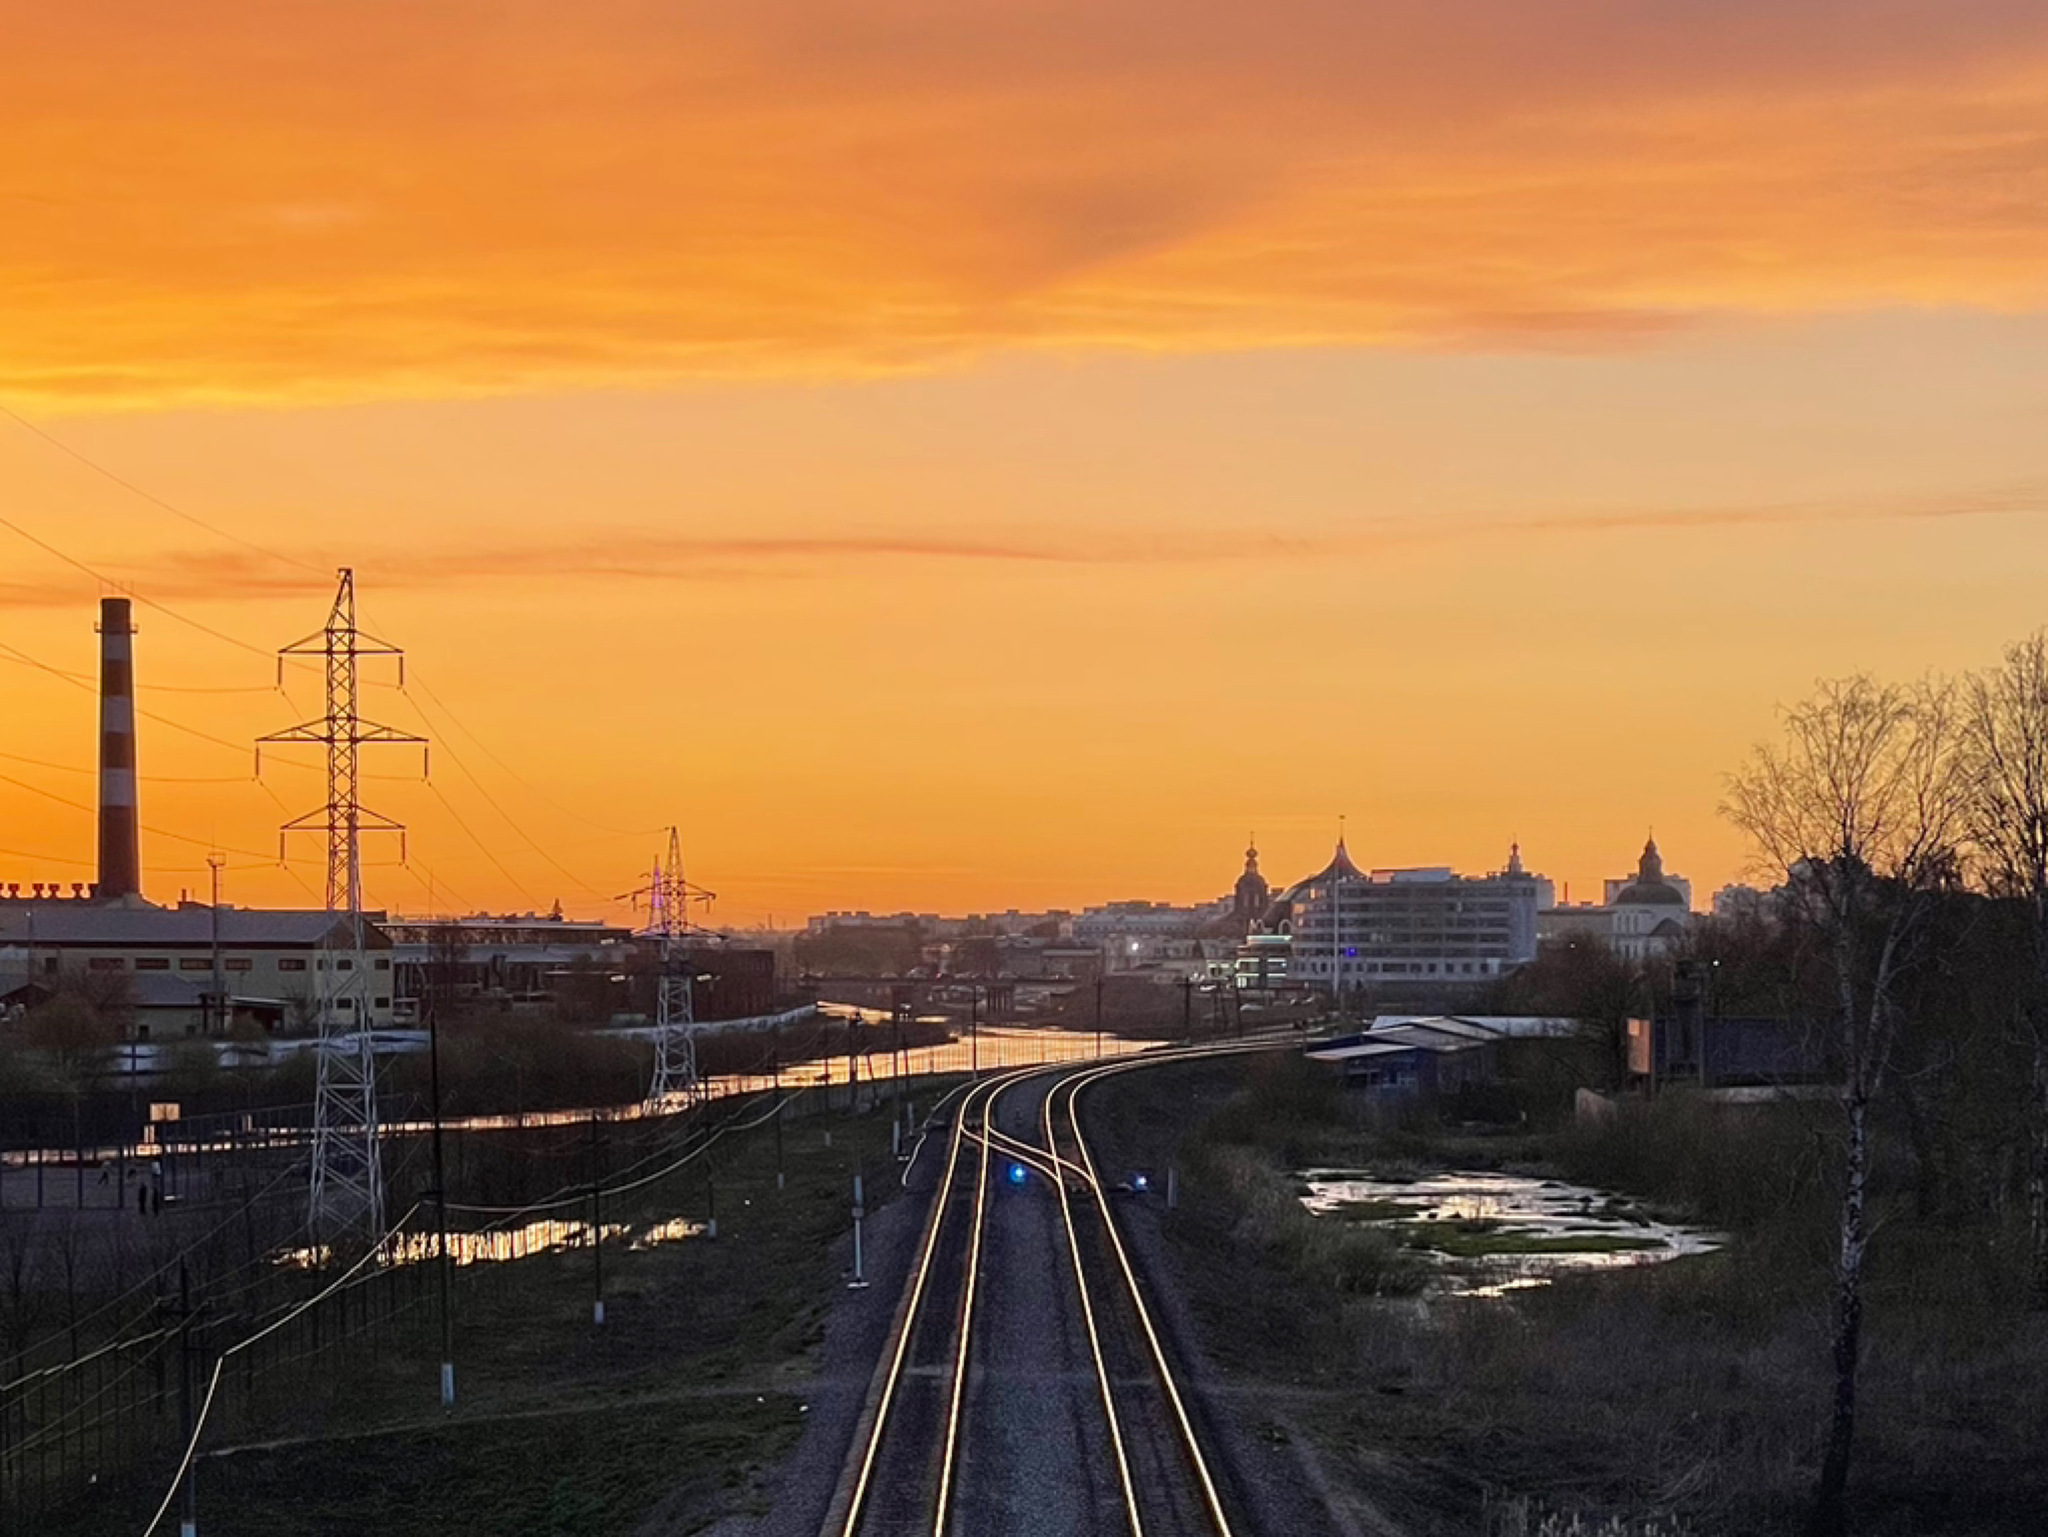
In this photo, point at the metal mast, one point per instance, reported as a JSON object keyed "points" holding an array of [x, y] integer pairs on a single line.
{"points": [[668, 897], [346, 1188]]}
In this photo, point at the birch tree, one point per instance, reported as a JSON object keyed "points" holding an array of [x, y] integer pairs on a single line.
{"points": [[2006, 751], [1858, 812]]}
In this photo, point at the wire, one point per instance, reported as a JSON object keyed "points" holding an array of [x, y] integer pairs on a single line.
{"points": [[484, 747], [16, 653], [485, 847], [155, 688], [492, 800], [100, 576], [145, 776], [154, 500], [155, 832], [220, 1361]]}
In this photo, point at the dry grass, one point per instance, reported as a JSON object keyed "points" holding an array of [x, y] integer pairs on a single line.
{"points": [[1688, 1398]]}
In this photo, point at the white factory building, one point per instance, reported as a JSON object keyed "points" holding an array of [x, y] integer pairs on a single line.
{"points": [[193, 969]]}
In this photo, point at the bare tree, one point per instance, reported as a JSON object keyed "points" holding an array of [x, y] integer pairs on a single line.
{"points": [[2006, 746], [1859, 812]]}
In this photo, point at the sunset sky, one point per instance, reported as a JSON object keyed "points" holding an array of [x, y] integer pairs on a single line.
{"points": [[949, 455]]}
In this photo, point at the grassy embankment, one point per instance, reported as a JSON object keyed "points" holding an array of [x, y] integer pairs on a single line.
{"points": [[672, 1410], [1692, 1393]]}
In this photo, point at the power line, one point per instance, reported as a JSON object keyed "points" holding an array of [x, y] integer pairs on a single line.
{"points": [[148, 496], [154, 832], [153, 688], [144, 775], [16, 653], [100, 576], [483, 846], [493, 802], [517, 777]]}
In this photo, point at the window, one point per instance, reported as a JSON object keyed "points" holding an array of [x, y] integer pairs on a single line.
{"points": [[383, 963], [194, 963], [238, 963], [344, 965], [291, 963], [383, 1003], [105, 963], [152, 963]]}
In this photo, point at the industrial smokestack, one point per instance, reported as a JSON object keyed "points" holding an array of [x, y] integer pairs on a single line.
{"points": [[120, 841]]}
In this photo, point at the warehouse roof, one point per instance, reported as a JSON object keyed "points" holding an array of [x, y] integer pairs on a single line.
{"points": [[91, 923]]}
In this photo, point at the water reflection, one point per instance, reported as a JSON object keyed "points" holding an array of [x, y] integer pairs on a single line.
{"points": [[669, 1232], [497, 1245], [1491, 1234]]}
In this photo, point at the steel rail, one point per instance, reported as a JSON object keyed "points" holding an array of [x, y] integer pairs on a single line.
{"points": [[1126, 1482], [919, 1282], [963, 1350], [1073, 1085]]}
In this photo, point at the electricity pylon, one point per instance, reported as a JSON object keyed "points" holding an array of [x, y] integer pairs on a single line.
{"points": [[668, 896], [346, 1188]]}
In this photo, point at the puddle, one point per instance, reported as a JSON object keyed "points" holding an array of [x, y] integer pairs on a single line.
{"points": [[1496, 1233], [671, 1231], [515, 1243]]}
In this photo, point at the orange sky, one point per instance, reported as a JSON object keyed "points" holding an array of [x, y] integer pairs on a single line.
{"points": [[951, 455]]}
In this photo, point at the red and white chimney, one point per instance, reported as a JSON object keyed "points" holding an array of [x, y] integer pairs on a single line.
{"points": [[120, 840]]}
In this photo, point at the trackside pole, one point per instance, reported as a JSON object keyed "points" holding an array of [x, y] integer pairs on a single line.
{"points": [[860, 1211], [596, 1229]]}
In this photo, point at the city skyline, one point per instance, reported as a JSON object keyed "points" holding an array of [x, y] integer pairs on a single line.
{"points": [[967, 459]]}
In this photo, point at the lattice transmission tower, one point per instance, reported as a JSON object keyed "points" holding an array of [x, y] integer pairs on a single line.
{"points": [[668, 897], [346, 1188]]}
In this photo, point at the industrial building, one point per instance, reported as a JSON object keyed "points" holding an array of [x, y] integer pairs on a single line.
{"points": [[171, 972], [189, 970], [506, 962]]}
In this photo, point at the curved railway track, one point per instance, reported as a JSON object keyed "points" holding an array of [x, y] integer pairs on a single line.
{"points": [[1026, 1387]]}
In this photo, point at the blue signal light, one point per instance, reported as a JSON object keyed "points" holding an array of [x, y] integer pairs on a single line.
{"points": [[1141, 1182], [1018, 1174]]}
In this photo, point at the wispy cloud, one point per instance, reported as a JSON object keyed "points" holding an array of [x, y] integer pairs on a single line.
{"points": [[638, 555], [389, 200]]}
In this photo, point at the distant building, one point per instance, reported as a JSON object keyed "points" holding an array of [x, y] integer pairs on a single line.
{"points": [[194, 969], [1406, 931], [1643, 917], [1406, 1055], [511, 961], [1738, 902], [1251, 896], [1262, 963]]}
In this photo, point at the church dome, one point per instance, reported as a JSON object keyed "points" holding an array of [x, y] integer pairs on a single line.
{"points": [[1649, 888]]}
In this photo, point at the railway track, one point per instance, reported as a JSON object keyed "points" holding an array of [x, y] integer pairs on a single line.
{"points": [[1026, 1387]]}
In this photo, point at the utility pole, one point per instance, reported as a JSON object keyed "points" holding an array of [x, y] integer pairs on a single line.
{"points": [[188, 1492], [780, 1179], [1187, 1011], [217, 1011], [973, 1030], [446, 1261], [346, 1188], [1098, 1017], [596, 1225]]}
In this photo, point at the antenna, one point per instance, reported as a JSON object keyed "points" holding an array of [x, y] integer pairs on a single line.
{"points": [[346, 1188]]}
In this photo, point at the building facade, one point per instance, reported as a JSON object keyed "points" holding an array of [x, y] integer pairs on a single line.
{"points": [[1355, 932], [507, 962], [1644, 916], [195, 969]]}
